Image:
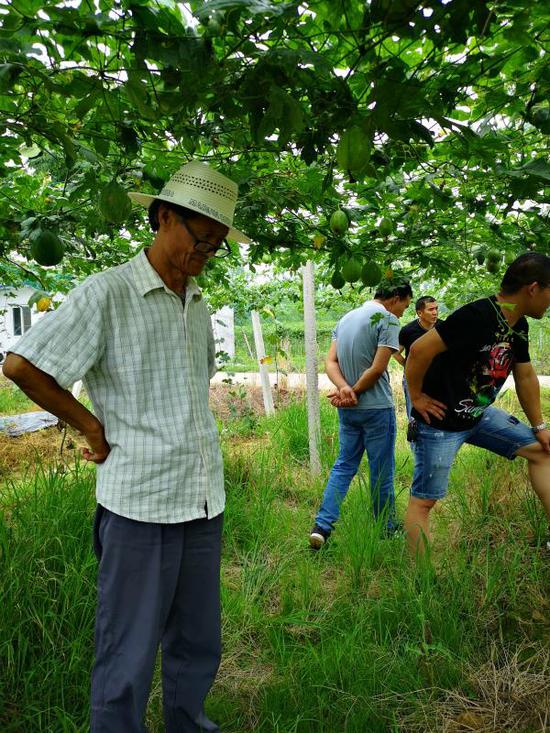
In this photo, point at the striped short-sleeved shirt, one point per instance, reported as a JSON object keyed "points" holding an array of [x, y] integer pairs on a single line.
{"points": [[146, 356]]}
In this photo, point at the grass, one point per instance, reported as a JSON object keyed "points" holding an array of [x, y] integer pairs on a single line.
{"points": [[12, 400], [352, 639]]}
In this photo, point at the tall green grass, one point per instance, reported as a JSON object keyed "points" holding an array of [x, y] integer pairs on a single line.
{"points": [[352, 639], [47, 601], [12, 399]]}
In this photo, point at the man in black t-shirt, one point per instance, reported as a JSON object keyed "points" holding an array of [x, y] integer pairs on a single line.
{"points": [[426, 317], [454, 373]]}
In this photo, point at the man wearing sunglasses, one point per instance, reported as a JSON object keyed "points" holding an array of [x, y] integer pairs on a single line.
{"points": [[140, 337]]}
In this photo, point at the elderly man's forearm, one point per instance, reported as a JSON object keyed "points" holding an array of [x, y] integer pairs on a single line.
{"points": [[42, 389]]}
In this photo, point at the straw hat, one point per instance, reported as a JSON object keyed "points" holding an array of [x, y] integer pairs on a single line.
{"points": [[199, 187]]}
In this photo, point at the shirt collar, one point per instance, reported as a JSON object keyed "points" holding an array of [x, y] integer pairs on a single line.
{"points": [[147, 278]]}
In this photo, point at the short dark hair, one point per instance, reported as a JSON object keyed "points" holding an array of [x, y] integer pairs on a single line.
{"points": [[526, 269], [386, 291], [181, 211], [421, 302]]}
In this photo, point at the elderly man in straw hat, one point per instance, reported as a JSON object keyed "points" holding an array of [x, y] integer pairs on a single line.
{"points": [[140, 337]]}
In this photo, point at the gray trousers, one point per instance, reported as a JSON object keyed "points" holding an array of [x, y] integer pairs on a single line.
{"points": [[157, 584]]}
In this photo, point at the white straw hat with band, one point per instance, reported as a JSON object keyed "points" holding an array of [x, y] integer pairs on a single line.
{"points": [[203, 189]]}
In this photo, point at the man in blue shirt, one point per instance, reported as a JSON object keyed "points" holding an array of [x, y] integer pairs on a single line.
{"points": [[357, 361]]}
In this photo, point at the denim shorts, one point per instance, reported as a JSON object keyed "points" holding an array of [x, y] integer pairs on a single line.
{"points": [[435, 449]]}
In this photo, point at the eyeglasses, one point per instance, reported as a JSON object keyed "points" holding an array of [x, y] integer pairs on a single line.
{"points": [[207, 248]]}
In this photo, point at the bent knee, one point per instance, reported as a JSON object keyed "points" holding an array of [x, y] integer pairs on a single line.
{"points": [[534, 453], [420, 503]]}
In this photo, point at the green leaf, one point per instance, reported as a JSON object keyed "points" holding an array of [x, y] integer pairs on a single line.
{"points": [[136, 91], [101, 145], [539, 168], [129, 139], [85, 105], [420, 131], [253, 7], [8, 75]]}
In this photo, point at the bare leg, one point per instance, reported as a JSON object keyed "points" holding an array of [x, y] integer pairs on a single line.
{"points": [[417, 524], [539, 472]]}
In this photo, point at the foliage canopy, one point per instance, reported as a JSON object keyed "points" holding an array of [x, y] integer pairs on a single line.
{"points": [[433, 115]]}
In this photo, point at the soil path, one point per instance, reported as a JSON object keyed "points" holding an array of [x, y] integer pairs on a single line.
{"points": [[298, 380]]}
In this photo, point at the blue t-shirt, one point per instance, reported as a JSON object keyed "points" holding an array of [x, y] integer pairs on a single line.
{"points": [[358, 335]]}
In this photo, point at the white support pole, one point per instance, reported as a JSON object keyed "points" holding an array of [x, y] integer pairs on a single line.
{"points": [[250, 354], [264, 371], [312, 384]]}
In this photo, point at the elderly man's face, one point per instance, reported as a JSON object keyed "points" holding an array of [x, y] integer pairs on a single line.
{"points": [[190, 244]]}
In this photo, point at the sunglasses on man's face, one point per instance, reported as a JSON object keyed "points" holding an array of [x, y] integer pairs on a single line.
{"points": [[208, 248]]}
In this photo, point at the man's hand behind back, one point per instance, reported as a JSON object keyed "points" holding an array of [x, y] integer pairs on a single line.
{"points": [[343, 397]]}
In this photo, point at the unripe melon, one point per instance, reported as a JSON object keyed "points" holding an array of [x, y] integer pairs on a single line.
{"points": [[371, 274], [337, 281], [46, 248], [351, 270], [339, 222], [385, 227], [114, 203]]}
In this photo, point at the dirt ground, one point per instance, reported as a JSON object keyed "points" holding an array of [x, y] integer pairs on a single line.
{"points": [[233, 401]]}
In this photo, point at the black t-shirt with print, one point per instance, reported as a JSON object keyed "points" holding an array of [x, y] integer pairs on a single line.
{"points": [[409, 333], [482, 348]]}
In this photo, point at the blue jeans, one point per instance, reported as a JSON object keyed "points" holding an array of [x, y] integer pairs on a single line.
{"points": [[435, 449], [360, 430], [408, 403]]}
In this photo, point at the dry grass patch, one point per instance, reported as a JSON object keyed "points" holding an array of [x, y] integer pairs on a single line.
{"points": [[23, 453], [508, 694], [243, 676], [19, 454], [246, 445], [232, 401]]}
